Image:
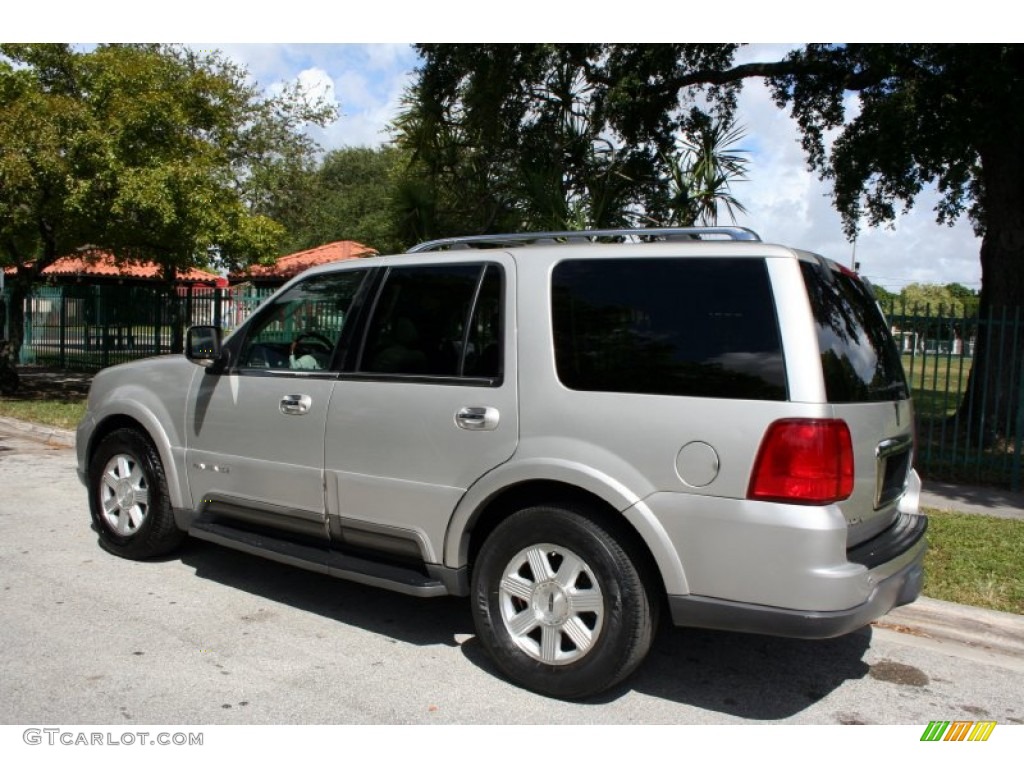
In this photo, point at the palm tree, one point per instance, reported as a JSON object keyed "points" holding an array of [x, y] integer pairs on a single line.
{"points": [[701, 172]]}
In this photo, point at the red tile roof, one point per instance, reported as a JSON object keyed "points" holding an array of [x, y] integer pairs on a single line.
{"points": [[102, 264], [293, 264]]}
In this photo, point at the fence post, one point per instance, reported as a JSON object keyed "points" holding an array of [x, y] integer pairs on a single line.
{"points": [[63, 329], [218, 314], [157, 330], [26, 338], [1015, 471]]}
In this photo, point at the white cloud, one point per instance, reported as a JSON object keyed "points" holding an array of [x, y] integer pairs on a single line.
{"points": [[788, 203], [366, 82], [316, 83]]}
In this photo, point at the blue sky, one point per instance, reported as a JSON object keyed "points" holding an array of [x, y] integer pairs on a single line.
{"points": [[786, 203]]}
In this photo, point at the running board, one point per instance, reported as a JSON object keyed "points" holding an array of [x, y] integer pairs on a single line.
{"points": [[320, 560]]}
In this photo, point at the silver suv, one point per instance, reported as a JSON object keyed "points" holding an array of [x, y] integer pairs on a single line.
{"points": [[579, 430]]}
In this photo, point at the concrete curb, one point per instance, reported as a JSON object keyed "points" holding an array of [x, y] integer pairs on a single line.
{"points": [[40, 432], [994, 631]]}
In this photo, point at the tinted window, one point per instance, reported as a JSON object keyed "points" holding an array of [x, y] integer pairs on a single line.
{"points": [[698, 327], [858, 356], [483, 339], [436, 321]]}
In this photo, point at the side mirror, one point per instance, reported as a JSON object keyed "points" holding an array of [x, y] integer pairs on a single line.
{"points": [[203, 345]]}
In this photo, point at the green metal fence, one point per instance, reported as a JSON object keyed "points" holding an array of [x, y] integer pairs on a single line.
{"points": [[969, 407], [966, 431], [91, 327]]}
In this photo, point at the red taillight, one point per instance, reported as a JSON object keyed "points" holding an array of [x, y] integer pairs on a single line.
{"points": [[804, 461]]}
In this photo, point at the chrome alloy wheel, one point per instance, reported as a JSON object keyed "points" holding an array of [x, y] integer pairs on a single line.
{"points": [[551, 604], [124, 494]]}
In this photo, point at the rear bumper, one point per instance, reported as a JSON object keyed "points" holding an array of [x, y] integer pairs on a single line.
{"points": [[897, 575], [899, 589]]}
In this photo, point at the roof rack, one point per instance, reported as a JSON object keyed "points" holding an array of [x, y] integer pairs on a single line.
{"points": [[588, 235]]}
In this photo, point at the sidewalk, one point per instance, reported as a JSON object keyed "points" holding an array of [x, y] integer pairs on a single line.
{"points": [[973, 500]]}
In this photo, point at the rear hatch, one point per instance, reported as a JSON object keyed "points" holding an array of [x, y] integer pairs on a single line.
{"points": [[865, 384]]}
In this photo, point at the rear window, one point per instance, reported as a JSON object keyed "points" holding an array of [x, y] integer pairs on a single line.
{"points": [[858, 356], [695, 327]]}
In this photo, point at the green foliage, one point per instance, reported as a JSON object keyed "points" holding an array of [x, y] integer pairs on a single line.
{"points": [[153, 152], [701, 173], [885, 297], [968, 298], [350, 196], [937, 298], [542, 136], [927, 114], [951, 300]]}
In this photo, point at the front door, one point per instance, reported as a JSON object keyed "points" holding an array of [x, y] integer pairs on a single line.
{"points": [[255, 434]]}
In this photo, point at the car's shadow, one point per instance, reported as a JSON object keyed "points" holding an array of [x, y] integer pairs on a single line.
{"points": [[748, 676], [418, 621]]}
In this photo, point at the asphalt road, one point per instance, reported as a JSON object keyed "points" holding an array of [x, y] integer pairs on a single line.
{"points": [[212, 636]]}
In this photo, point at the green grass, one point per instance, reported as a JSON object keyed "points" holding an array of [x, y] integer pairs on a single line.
{"points": [[54, 413], [975, 560], [936, 382]]}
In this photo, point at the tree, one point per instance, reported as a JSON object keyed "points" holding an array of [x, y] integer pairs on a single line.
{"points": [[702, 171], [935, 299], [885, 297], [349, 196], [966, 297], [942, 115], [153, 152], [531, 136]]}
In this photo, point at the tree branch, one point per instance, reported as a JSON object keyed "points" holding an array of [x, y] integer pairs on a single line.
{"points": [[851, 81]]}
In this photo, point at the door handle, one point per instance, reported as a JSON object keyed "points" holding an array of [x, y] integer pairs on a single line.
{"points": [[296, 405], [477, 419]]}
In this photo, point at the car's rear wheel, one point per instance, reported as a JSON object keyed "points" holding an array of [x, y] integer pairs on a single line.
{"points": [[128, 497], [559, 603]]}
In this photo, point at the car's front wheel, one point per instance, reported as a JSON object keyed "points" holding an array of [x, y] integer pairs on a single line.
{"points": [[128, 497], [559, 604]]}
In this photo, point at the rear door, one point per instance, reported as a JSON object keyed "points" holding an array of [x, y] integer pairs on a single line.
{"points": [[429, 406], [866, 387]]}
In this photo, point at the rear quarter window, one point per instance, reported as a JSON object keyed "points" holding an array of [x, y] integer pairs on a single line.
{"points": [[859, 359], [695, 327]]}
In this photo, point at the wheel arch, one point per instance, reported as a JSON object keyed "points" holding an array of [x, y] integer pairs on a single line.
{"points": [[629, 519], [150, 428]]}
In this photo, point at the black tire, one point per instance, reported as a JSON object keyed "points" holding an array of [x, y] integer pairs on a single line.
{"points": [[128, 497], [571, 652]]}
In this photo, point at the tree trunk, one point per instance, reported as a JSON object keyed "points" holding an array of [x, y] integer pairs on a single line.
{"points": [[994, 391], [16, 332], [170, 299], [11, 348]]}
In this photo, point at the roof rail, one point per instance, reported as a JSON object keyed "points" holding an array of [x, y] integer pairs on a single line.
{"points": [[588, 235]]}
